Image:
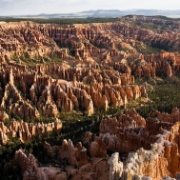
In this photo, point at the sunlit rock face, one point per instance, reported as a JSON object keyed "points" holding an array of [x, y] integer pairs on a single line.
{"points": [[116, 167], [35, 94], [157, 158], [152, 143]]}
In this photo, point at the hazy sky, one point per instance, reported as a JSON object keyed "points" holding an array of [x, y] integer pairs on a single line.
{"points": [[20, 7]]}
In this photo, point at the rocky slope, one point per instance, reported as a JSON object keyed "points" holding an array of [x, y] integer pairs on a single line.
{"points": [[154, 147]]}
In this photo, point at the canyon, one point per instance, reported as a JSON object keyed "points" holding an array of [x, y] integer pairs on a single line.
{"points": [[51, 70]]}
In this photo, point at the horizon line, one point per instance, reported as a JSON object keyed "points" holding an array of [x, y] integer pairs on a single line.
{"points": [[122, 10]]}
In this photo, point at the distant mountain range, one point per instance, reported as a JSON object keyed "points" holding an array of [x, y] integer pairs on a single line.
{"points": [[104, 13]]}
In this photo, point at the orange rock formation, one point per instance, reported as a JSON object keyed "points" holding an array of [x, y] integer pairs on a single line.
{"points": [[152, 155]]}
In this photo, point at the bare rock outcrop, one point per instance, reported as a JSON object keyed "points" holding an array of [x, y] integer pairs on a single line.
{"points": [[156, 156], [155, 144], [32, 95], [30, 169], [116, 167], [3, 116], [28, 131], [76, 155]]}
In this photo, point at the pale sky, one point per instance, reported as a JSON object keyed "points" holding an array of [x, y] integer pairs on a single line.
{"points": [[21, 7]]}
